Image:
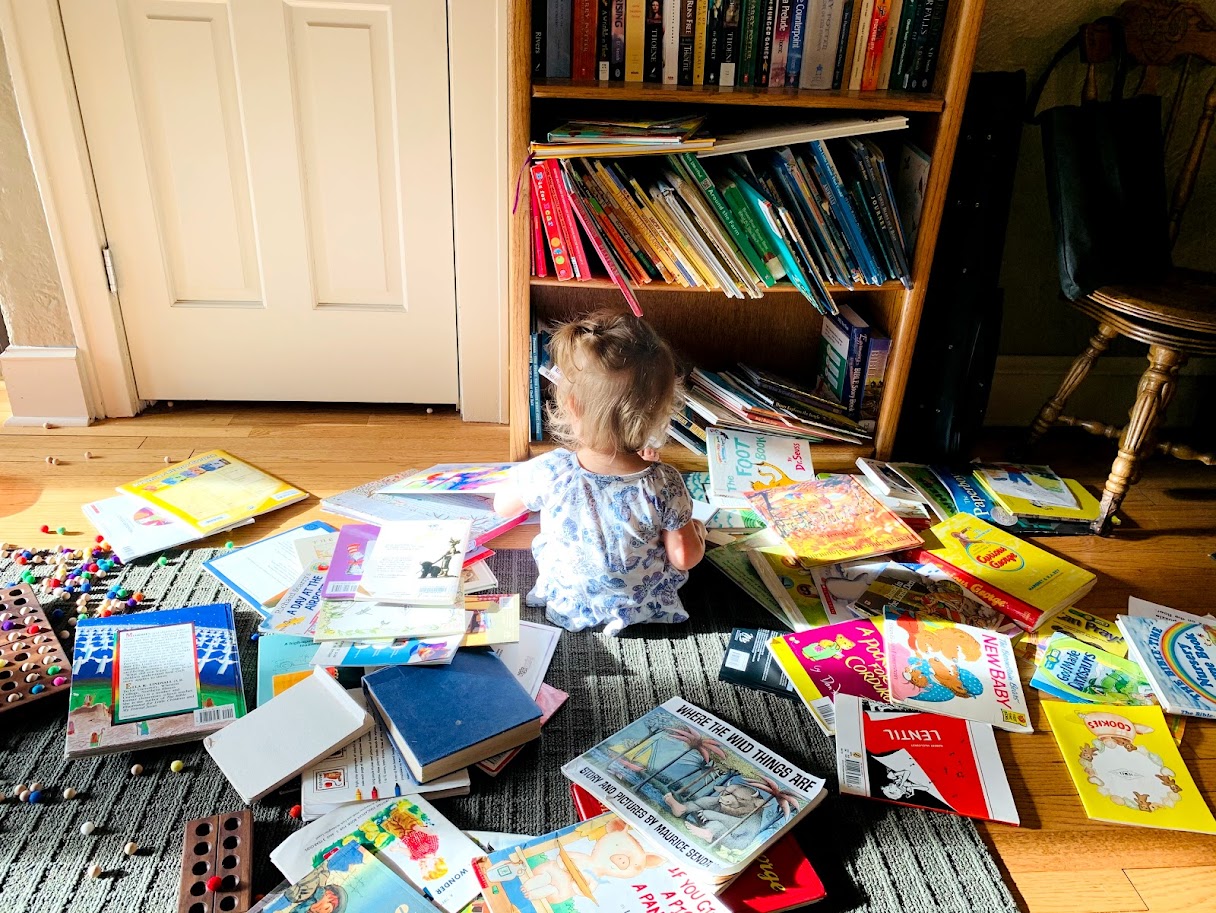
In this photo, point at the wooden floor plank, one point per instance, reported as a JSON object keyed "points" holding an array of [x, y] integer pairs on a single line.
{"points": [[1079, 890], [1176, 889]]}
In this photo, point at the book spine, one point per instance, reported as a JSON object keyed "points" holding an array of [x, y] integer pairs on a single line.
{"points": [[728, 71], [926, 67], [904, 42], [829, 179], [713, 42], [844, 50], [876, 373], [635, 39], [534, 423], [616, 71], [753, 229], [652, 60], [793, 62], [539, 267], [764, 42], [565, 221], [688, 22], [635, 261], [918, 35], [888, 48], [602, 248], [582, 65], [553, 234], [746, 72], [859, 344], [700, 20], [727, 218], [671, 41], [875, 221], [603, 40], [782, 12], [874, 45], [540, 10], [557, 39], [819, 45], [1024, 614], [859, 43]]}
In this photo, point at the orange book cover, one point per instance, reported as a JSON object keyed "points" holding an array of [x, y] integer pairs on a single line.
{"points": [[830, 520]]}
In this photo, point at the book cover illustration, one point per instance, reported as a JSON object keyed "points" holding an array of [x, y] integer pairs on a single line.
{"points": [[418, 651], [283, 661], [491, 618], [925, 589], [352, 880], [831, 520], [921, 759], [346, 565], [416, 563], [597, 865], [1086, 510], [1127, 768], [386, 621], [453, 478], [1032, 483], [1077, 672], [213, 490], [722, 518], [1179, 659], [955, 670], [297, 608], [847, 657], [134, 528], [841, 585], [696, 786], [1097, 632], [153, 678], [742, 461]]}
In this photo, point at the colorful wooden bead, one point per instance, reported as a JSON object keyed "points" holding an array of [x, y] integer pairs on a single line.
{"points": [[23, 796], [44, 528], [214, 883], [162, 560], [58, 681], [63, 530], [295, 811], [35, 794], [177, 767]]}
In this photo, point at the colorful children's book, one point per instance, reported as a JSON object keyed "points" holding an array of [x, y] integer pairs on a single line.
{"points": [[453, 478], [491, 618], [790, 583], [925, 589], [426, 651], [604, 860], [1127, 768], [1097, 632], [283, 661], [841, 585], [153, 678], [921, 759], [355, 621], [416, 563], [844, 658], [352, 880], [722, 518], [1179, 659], [407, 834], [955, 670], [1082, 674], [261, 572], [296, 610], [749, 663], [697, 787], [346, 566], [1086, 510], [213, 491], [134, 528], [743, 461], [831, 520], [1022, 581], [1033, 483]]}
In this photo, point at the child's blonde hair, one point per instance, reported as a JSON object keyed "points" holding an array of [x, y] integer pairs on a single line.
{"points": [[618, 387]]}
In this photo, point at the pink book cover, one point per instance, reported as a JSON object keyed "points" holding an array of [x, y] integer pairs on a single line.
{"points": [[847, 656], [346, 566]]}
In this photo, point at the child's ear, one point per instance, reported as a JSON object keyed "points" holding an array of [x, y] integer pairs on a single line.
{"points": [[571, 405]]}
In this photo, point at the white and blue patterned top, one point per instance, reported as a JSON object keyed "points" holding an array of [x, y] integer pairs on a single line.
{"points": [[600, 552]]}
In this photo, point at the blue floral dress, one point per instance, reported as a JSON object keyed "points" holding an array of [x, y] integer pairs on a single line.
{"points": [[600, 551]]}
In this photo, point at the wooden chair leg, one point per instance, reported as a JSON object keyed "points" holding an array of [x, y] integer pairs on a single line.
{"points": [[1156, 389], [1051, 410]]}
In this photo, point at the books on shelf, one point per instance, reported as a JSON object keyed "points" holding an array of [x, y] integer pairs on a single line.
{"points": [[786, 134]]}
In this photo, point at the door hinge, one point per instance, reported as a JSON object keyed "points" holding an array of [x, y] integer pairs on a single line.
{"points": [[111, 279]]}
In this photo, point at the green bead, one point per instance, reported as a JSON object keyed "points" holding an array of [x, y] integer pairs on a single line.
{"points": [[229, 544], [162, 560], [53, 669], [63, 530], [123, 594]]}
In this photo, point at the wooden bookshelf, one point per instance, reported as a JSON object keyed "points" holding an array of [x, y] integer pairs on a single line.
{"points": [[781, 288], [779, 331]]}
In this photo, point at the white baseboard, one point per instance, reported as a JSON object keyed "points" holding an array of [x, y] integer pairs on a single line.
{"points": [[1022, 383], [45, 386]]}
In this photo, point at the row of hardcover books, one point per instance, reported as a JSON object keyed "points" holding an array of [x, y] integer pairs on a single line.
{"points": [[815, 215], [811, 44]]}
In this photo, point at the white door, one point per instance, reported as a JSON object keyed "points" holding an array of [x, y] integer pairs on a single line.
{"points": [[275, 186]]}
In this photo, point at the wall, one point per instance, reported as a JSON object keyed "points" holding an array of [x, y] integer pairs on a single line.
{"points": [[31, 297]]}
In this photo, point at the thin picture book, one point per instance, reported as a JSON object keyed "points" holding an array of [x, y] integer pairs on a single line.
{"points": [[955, 670], [696, 787], [296, 610], [921, 759], [926, 589], [841, 585], [601, 864], [846, 657], [491, 618], [1033, 483], [1127, 768], [213, 491], [261, 572], [356, 621], [425, 651], [282, 662], [832, 520], [416, 563], [1179, 659], [698, 487], [791, 584], [453, 478], [352, 880], [1082, 674], [742, 461], [153, 678], [135, 528], [346, 565]]}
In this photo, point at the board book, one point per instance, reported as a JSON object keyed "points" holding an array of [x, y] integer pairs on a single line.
{"points": [[1179, 659], [832, 520], [213, 491], [1127, 768], [1083, 674], [749, 663], [134, 528], [261, 572], [153, 678], [352, 880], [416, 563], [742, 461], [921, 759], [717, 825], [453, 478], [955, 670]]}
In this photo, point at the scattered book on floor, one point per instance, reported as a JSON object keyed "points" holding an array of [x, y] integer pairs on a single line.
{"points": [[213, 491], [790, 583], [921, 759], [925, 589], [747, 662], [268, 746], [153, 678], [742, 461], [296, 610], [1031, 483], [351, 880], [652, 774], [842, 658], [1097, 632], [1142, 608], [549, 700], [134, 528], [733, 561], [955, 670], [282, 662], [1080, 673], [444, 718], [491, 618], [1179, 659], [1126, 767], [1085, 511], [452, 478], [1020, 580], [386, 621], [418, 651], [350, 553], [528, 658], [261, 572], [416, 563], [722, 518], [841, 585]]}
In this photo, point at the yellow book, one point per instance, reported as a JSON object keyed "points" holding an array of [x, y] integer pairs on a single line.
{"points": [[791, 585], [1127, 768], [213, 491], [1090, 629], [1085, 511], [635, 39], [700, 23]]}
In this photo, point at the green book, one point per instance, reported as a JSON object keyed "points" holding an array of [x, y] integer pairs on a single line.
{"points": [[701, 178], [747, 59], [1083, 674], [732, 561], [769, 221], [751, 226]]}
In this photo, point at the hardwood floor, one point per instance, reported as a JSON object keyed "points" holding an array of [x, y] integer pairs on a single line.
{"points": [[1057, 862]]}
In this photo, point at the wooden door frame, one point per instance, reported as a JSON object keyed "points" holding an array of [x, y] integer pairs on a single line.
{"points": [[36, 47]]}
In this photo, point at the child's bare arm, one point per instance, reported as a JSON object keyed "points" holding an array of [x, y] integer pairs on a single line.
{"points": [[508, 504], [686, 545]]}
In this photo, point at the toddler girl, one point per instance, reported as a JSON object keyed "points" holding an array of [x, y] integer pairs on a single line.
{"points": [[616, 531]]}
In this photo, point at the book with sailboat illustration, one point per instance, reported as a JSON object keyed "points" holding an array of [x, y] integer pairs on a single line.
{"points": [[697, 788]]}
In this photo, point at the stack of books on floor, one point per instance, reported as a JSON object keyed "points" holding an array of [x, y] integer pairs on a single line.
{"points": [[823, 44]]}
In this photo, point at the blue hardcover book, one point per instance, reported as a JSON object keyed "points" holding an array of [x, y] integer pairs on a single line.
{"points": [[444, 718], [558, 23], [793, 60], [768, 218], [829, 180]]}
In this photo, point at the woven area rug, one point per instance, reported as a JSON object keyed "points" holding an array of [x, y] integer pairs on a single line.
{"points": [[871, 856]]}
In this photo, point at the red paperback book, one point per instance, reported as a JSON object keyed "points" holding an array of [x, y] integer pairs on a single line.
{"points": [[1023, 613], [558, 250], [603, 249], [582, 46], [781, 878], [565, 220], [875, 41], [540, 266]]}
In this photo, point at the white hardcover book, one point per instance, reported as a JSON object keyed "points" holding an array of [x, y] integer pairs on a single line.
{"points": [[416, 562], [671, 42]]}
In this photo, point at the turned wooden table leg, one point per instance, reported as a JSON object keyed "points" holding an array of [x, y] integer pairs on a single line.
{"points": [[1153, 395], [1051, 410]]}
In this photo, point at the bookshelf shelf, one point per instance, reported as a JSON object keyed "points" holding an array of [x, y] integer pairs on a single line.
{"points": [[778, 289], [837, 99]]}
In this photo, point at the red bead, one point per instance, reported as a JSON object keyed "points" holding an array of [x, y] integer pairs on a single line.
{"points": [[56, 582], [295, 811], [44, 528], [33, 629], [21, 559], [100, 539], [93, 568], [214, 883]]}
